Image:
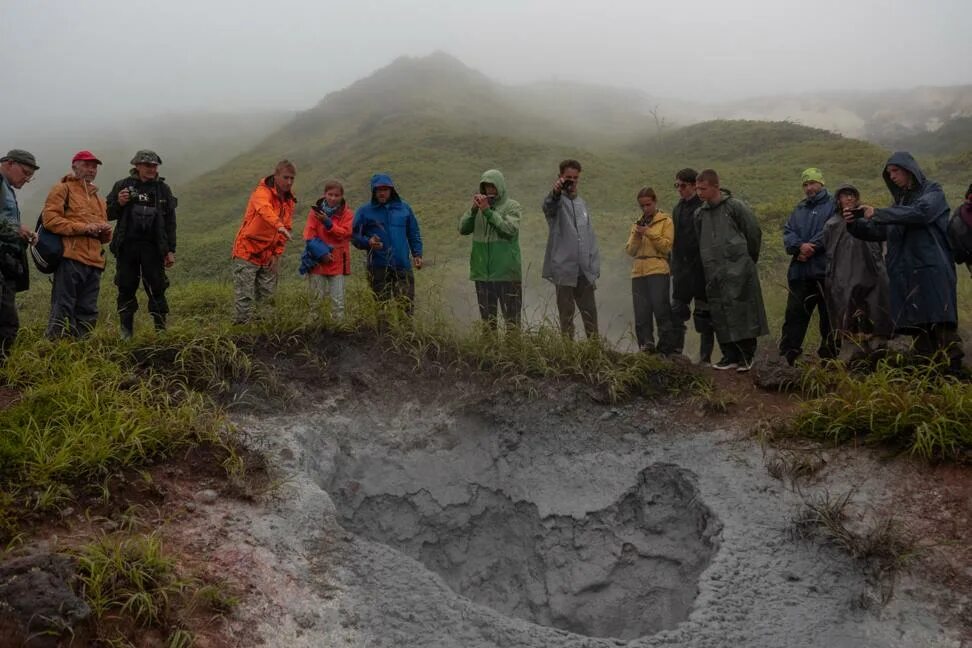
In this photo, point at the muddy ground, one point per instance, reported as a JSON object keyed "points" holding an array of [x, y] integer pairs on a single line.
{"points": [[415, 506], [419, 508]]}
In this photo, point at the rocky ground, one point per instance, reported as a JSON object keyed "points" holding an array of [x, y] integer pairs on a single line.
{"points": [[411, 506]]}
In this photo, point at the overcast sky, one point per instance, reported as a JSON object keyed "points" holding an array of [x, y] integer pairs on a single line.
{"points": [[64, 60]]}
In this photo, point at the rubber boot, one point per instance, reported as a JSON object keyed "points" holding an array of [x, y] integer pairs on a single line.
{"points": [[159, 320], [127, 325]]}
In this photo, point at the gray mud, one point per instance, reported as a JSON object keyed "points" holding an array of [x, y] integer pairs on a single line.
{"points": [[446, 512]]}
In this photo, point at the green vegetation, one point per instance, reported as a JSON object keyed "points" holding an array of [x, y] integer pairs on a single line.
{"points": [[132, 585], [914, 408]]}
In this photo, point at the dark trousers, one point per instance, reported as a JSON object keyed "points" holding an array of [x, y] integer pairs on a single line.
{"points": [[74, 299], [500, 295], [932, 339], [141, 261], [805, 295], [389, 284], [702, 319], [740, 350], [583, 296], [9, 321], [650, 295]]}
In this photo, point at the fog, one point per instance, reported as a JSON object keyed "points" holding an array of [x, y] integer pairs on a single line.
{"points": [[68, 65]]}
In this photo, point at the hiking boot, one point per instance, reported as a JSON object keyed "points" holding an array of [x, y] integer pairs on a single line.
{"points": [[127, 327], [725, 364], [745, 365], [159, 320]]}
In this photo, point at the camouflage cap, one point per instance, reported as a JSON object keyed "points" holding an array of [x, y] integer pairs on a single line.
{"points": [[21, 156], [812, 175], [146, 156]]}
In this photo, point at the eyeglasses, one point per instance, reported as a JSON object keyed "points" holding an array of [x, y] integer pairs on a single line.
{"points": [[680, 185], [27, 169]]}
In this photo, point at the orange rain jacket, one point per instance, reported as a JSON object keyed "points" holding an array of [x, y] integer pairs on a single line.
{"points": [[258, 240], [84, 206]]}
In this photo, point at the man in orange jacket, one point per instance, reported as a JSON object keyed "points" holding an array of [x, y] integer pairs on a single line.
{"points": [[76, 212], [262, 239]]}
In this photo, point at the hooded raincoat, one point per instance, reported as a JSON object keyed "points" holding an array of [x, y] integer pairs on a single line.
{"points": [[394, 223], [495, 254], [919, 260], [571, 244], [729, 245], [856, 283], [258, 240]]}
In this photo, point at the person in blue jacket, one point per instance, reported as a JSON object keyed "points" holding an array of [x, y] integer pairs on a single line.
{"points": [[387, 229], [803, 237], [919, 259]]}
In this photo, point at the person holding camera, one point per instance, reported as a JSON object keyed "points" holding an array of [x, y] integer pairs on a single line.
{"points": [[729, 245], [650, 242], [493, 220], [144, 241], [329, 222], [74, 211], [262, 239], [919, 259], [572, 261], [688, 277], [388, 230], [17, 167], [803, 239], [856, 284]]}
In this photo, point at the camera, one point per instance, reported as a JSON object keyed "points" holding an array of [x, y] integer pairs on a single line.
{"points": [[858, 212], [566, 185]]}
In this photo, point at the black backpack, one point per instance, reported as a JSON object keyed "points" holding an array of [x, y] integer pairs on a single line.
{"points": [[960, 238], [48, 251]]}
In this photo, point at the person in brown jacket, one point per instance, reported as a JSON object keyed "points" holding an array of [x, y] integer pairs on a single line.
{"points": [[74, 211], [650, 243]]}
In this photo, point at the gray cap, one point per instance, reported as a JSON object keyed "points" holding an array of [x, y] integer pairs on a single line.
{"points": [[146, 156], [21, 156]]}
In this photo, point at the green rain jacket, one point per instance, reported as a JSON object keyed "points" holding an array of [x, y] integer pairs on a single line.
{"points": [[495, 252], [729, 244]]}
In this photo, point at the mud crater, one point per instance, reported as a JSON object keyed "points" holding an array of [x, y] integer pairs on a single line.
{"points": [[625, 571]]}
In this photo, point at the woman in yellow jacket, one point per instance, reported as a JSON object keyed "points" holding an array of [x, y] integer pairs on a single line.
{"points": [[649, 243]]}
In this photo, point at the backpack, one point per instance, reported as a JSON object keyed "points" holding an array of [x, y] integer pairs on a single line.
{"points": [[960, 238], [49, 249]]}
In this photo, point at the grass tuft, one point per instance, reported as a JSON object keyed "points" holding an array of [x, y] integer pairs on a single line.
{"points": [[914, 408]]}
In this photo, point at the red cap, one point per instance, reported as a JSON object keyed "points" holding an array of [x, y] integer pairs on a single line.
{"points": [[84, 155]]}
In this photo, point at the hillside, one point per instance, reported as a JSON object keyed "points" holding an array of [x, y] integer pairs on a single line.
{"points": [[435, 125]]}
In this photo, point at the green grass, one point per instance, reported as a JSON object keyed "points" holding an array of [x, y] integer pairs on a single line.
{"points": [[131, 585], [914, 408]]}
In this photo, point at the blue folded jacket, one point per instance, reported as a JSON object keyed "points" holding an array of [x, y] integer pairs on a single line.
{"points": [[314, 250]]}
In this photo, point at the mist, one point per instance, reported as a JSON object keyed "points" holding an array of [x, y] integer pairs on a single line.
{"points": [[70, 66]]}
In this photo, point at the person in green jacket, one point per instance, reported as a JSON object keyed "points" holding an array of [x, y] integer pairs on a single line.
{"points": [[494, 263], [729, 245]]}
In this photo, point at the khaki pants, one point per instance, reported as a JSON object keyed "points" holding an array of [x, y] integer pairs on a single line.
{"points": [[252, 285], [583, 296]]}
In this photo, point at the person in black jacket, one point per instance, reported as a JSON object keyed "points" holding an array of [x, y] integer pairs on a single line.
{"points": [[144, 241], [688, 278], [16, 169]]}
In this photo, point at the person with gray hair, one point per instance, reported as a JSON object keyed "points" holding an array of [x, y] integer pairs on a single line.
{"points": [[144, 243], [75, 212], [17, 167]]}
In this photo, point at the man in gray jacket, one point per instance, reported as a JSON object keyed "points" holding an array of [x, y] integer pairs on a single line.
{"points": [[572, 261]]}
